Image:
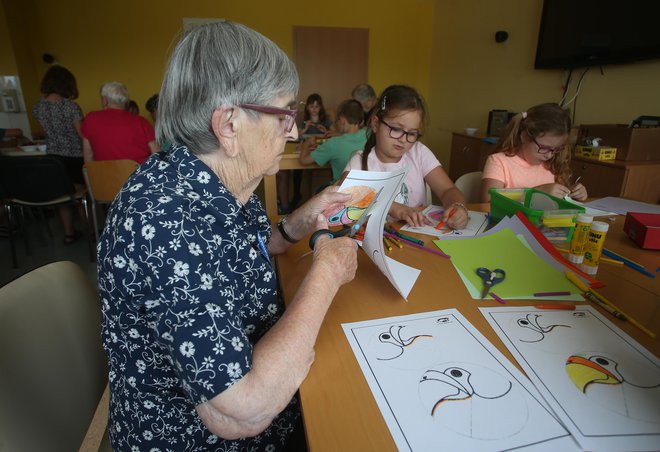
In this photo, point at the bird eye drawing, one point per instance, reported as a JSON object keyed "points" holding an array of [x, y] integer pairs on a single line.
{"points": [[394, 337], [531, 322]]}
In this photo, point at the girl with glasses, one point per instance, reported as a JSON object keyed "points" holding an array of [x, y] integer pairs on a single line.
{"points": [[393, 143], [532, 153]]}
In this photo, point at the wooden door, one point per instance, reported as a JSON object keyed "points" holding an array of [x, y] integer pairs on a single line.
{"points": [[330, 62]]}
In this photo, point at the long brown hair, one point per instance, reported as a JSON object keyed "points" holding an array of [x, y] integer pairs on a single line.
{"points": [[322, 114], [395, 97], [540, 120]]}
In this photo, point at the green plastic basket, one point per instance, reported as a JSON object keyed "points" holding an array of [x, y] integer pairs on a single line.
{"points": [[503, 204]]}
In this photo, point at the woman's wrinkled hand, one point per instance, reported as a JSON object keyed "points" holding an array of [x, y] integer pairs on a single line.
{"points": [[338, 258], [303, 220]]}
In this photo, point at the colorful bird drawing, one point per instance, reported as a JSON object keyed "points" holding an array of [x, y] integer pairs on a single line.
{"points": [[615, 387], [587, 370], [531, 322], [361, 197], [393, 336]]}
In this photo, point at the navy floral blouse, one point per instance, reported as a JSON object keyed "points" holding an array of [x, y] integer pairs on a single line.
{"points": [[186, 289]]}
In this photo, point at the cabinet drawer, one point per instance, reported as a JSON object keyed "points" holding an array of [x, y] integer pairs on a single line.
{"points": [[600, 180], [465, 155]]}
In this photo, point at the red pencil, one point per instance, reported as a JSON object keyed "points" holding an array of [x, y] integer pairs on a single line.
{"points": [[442, 223], [567, 307]]}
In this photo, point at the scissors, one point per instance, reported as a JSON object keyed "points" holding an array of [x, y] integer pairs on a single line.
{"points": [[346, 230], [490, 278]]}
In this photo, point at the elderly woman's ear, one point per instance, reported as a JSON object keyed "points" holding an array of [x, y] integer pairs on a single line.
{"points": [[224, 123]]}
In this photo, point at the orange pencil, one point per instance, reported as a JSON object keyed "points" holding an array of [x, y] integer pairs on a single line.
{"points": [[442, 223]]}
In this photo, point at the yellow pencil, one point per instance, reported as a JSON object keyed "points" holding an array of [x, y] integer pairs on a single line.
{"points": [[396, 242], [584, 288], [387, 245], [607, 260]]}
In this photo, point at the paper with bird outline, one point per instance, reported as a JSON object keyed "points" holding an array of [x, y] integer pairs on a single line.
{"points": [[477, 223], [602, 384], [365, 183], [441, 385]]}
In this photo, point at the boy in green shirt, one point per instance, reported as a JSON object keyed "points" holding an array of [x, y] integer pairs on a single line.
{"points": [[338, 150]]}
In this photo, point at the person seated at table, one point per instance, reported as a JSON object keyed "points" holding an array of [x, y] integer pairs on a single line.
{"points": [[114, 133], [133, 107], [315, 119], [12, 137], [338, 150], [393, 143], [152, 107], [365, 94], [532, 153], [61, 117], [202, 353]]}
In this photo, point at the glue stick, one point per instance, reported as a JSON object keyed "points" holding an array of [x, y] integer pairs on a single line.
{"points": [[594, 247], [580, 236]]}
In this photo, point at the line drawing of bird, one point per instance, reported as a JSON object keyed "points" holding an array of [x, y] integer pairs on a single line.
{"points": [[393, 337], [459, 379], [531, 322]]}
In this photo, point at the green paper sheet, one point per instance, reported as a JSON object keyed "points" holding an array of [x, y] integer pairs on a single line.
{"points": [[526, 273]]}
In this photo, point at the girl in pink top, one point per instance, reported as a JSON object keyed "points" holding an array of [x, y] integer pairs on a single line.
{"points": [[392, 143], [533, 154]]}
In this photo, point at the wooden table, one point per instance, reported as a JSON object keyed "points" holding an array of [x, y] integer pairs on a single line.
{"points": [[339, 410], [289, 161]]}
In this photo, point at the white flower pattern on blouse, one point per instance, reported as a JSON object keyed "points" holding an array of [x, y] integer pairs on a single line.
{"points": [[185, 294]]}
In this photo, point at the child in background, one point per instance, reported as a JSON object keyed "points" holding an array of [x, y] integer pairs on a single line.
{"points": [[393, 143], [337, 150], [315, 120], [532, 153]]}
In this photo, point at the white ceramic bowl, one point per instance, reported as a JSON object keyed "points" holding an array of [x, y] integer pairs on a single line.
{"points": [[470, 130]]}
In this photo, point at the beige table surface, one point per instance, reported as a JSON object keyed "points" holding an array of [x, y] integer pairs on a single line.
{"points": [[339, 411]]}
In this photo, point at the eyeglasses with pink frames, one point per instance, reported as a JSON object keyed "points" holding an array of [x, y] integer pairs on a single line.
{"points": [[289, 115], [543, 149]]}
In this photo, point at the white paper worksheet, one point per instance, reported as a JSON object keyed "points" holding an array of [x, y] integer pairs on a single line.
{"points": [[603, 385], [440, 385]]}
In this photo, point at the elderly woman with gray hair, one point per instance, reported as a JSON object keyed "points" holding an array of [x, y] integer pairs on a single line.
{"points": [[202, 353], [114, 133]]}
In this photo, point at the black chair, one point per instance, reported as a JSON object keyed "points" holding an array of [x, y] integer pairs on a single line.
{"points": [[37, 182]]}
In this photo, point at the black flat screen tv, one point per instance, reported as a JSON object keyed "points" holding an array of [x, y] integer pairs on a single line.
{"points": [[581, 33]]}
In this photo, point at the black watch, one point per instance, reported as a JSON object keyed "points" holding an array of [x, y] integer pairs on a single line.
{"points": [[280, 227]]}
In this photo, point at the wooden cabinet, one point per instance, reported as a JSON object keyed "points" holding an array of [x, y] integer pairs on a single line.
{"points": [[638, 180], [468, 154]]}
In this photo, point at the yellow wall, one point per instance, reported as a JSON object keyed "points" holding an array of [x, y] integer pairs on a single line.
{"points": [[471, 74], [7, 61], [445, 48], [129, 41]]}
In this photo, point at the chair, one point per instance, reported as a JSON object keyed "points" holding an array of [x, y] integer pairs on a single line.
{"points": [[37, 182], [470, 185], [104, 179], [53, 370]]}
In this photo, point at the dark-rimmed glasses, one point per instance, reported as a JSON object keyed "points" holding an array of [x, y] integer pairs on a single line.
{"points": [[289, 115], [397, 132], [543, 149]]}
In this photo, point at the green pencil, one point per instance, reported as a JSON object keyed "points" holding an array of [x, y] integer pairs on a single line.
{"points": [[407, 237]]}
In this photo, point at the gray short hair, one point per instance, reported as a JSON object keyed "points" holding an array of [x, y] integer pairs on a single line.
{"points": [[116, 93], [222, 63], [363, 92]]}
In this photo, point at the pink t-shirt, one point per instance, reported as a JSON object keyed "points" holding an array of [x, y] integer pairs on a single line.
{"points": [[516, 172], [118, 134], [419, 160]]}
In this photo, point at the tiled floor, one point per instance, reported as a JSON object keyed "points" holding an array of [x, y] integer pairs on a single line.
{"points": [[43, 250]]}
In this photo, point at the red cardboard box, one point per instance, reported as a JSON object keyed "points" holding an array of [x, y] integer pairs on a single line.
{"points": [[643, 229]]}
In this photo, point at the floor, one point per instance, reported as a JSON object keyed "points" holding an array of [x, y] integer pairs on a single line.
{"points": [[43, 250]]}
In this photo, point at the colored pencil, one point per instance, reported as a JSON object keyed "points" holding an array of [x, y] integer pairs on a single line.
{"points": [[606, 304], [565, 307], [628, 263], [410, 239], [551, 294], [415, 245], [607, 260], [496, 298], [387, 245], [442, 223]]}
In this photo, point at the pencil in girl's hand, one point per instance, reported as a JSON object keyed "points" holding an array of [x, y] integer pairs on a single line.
{"points": [[442, 223]]}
